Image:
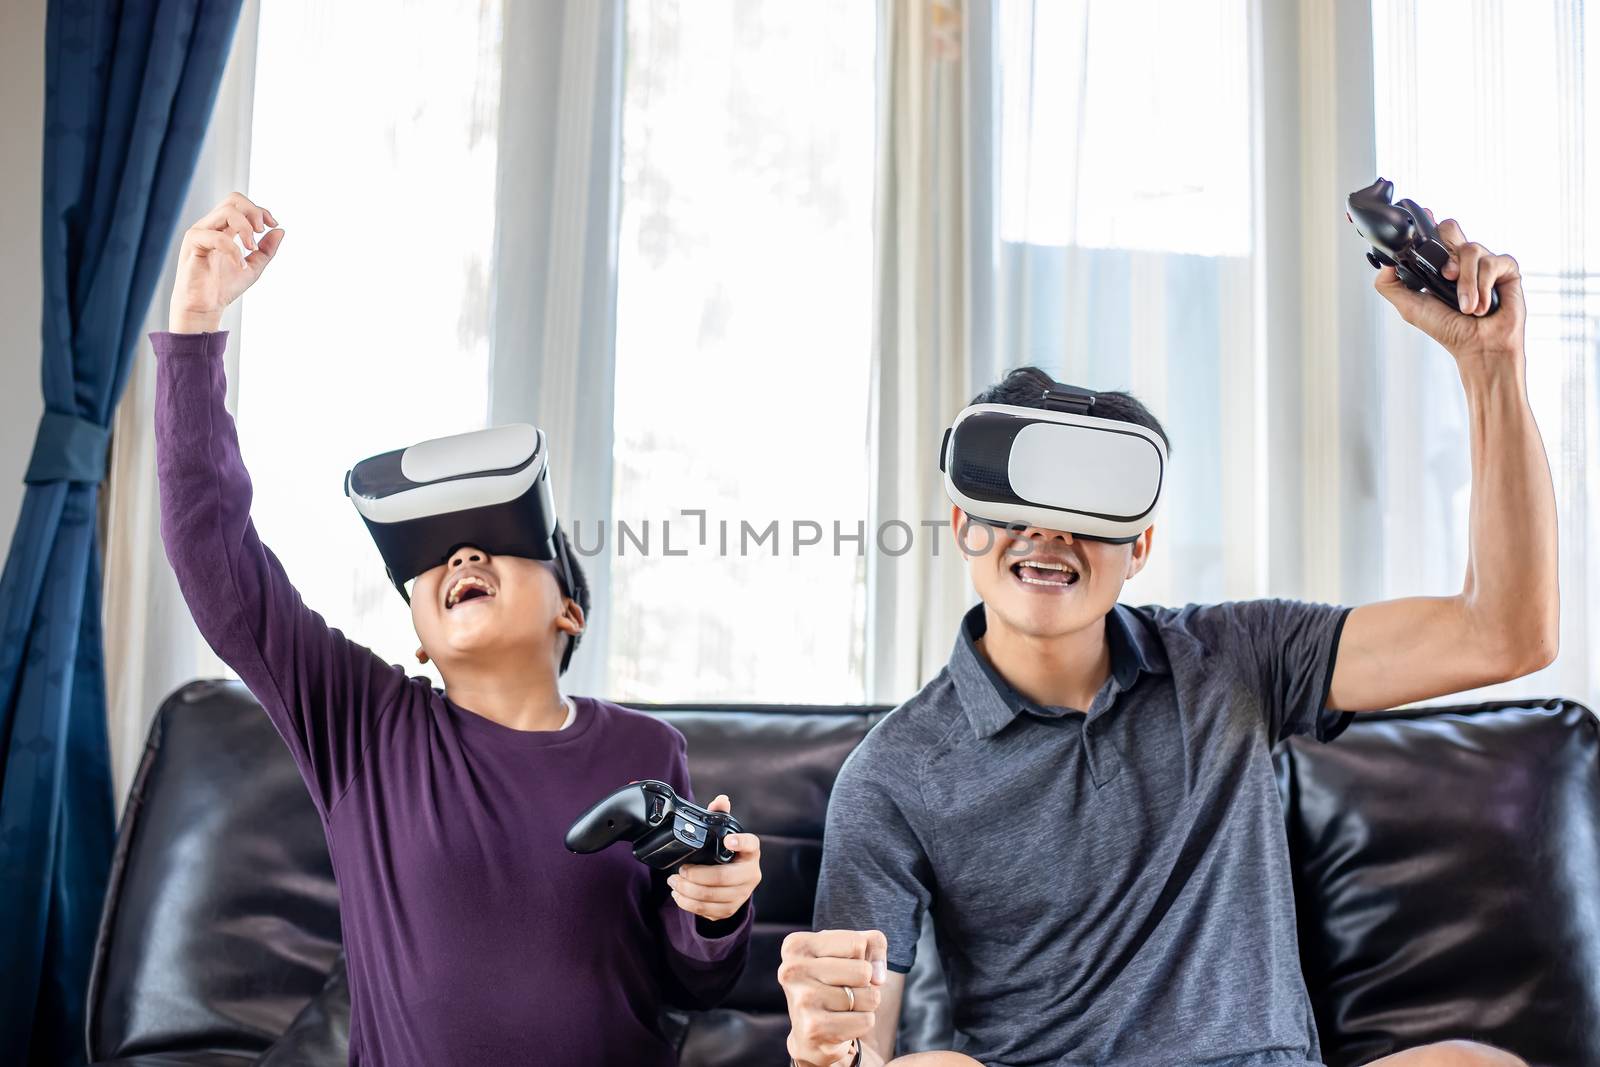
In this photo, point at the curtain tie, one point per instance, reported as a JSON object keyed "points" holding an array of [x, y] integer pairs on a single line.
{"points": [[68, 448]]}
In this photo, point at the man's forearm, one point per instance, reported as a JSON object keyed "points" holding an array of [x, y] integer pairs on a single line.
{"points": [[1511, 585]]}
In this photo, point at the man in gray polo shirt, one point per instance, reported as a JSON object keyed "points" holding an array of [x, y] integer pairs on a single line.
{"points": [[1084, 798]]}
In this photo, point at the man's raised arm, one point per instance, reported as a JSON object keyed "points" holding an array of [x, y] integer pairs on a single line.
{"points": [[1505, 621]]}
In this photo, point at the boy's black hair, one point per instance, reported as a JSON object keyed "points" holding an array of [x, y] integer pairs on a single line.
{"points": [[578, 592], [1021, 388]]}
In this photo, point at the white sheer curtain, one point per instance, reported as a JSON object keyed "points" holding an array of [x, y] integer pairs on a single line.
{"points": [[925, 366], [1125, 247], [152, 646], [1513, 152], [555, 258]]}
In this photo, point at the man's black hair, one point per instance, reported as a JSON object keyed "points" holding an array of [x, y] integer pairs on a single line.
{"points": [[578, 592], [1022, 388]]}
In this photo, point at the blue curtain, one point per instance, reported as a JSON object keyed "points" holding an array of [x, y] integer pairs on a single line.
{"points": [[129, 88]]}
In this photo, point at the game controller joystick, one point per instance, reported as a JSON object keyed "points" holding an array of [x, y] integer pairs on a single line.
{"points": [[1404, 237], [665, 829]]}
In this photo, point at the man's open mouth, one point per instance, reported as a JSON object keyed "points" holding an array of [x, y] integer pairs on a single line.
{"points": [[1045, 573]]}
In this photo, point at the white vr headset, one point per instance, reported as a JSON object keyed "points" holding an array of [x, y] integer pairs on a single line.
{"points": [[489, 488], [1057, 467]]}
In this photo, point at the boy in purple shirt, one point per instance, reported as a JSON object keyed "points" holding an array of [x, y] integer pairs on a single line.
{"points": [[472, 936]]}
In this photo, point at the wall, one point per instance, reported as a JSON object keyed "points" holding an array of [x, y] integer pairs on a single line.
{"points": [[21, 136]]}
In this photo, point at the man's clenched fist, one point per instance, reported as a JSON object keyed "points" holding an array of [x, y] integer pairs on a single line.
{"points": [[212, 272], [833, 981]]}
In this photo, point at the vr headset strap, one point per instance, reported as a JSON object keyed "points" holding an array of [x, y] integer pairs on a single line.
{"points": [[1059, 397]]}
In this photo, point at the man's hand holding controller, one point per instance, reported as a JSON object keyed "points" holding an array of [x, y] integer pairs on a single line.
{"points": [[833, 982], [212, 270]]}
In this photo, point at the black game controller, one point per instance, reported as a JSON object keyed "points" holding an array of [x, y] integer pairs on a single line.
{"points": [[665, 829], [1404, 237]]}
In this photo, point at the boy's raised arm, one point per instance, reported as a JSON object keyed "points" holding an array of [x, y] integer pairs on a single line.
{"points": [[323, 692]]}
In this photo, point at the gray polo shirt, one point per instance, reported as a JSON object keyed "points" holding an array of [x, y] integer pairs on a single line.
{"points": [[1110, 886]]}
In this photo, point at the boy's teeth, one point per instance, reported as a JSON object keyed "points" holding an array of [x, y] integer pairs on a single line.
{"points": [[462, 586]]}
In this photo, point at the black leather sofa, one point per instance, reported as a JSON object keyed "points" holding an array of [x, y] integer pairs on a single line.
{"points": [[1447, 873]]}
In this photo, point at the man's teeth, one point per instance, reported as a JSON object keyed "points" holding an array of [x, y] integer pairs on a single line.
{"points": [[1069, 575]]}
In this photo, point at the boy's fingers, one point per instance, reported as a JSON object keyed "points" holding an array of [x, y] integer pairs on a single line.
{"points": [[239, 226], [212, 242], [697, 907], [265, 250], [720, 804], [736, 873], [747, 845], [248, 208], [710, 894]]}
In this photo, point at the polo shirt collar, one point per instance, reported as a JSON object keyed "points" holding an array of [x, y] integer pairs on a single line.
{"points": [[991, 703]]}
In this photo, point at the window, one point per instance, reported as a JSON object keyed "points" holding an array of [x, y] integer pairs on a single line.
{"points": [[1124, 213], [743, 349], [1514, 158], [374, 144]]}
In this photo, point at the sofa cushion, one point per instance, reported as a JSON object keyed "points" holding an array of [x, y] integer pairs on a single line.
{"points": [[1449, 881], [321, 1032]]}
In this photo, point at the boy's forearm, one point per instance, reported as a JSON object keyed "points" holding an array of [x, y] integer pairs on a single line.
{"points": [[1511, 585], [203, 487]]}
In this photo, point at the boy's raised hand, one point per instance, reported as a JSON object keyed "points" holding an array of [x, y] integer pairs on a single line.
{"points": [[717, 890], [212, 272]]}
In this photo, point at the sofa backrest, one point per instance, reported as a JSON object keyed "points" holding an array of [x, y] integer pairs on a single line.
{"points": [[1447, 868], [1448, 880], [221, 919]]}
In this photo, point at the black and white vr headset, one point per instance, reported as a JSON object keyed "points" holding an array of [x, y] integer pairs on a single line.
{"points": [[489, 488], [1057, 467]]}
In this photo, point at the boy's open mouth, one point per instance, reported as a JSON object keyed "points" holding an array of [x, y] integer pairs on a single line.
{"points": [[1046, 574], [468, 587]]}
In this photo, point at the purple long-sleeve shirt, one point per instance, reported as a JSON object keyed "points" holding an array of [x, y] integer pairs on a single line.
{"points": [[472, 936]]}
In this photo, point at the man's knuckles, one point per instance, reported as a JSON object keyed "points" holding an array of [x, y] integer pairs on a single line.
{"points": [[868, 999]]}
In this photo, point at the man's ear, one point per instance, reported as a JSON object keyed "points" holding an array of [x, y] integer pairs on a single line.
{"points": [[958, 519], [1141, 552]]}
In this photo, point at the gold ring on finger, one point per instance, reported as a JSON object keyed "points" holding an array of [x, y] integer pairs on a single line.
{"points": [[851, 993]]}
